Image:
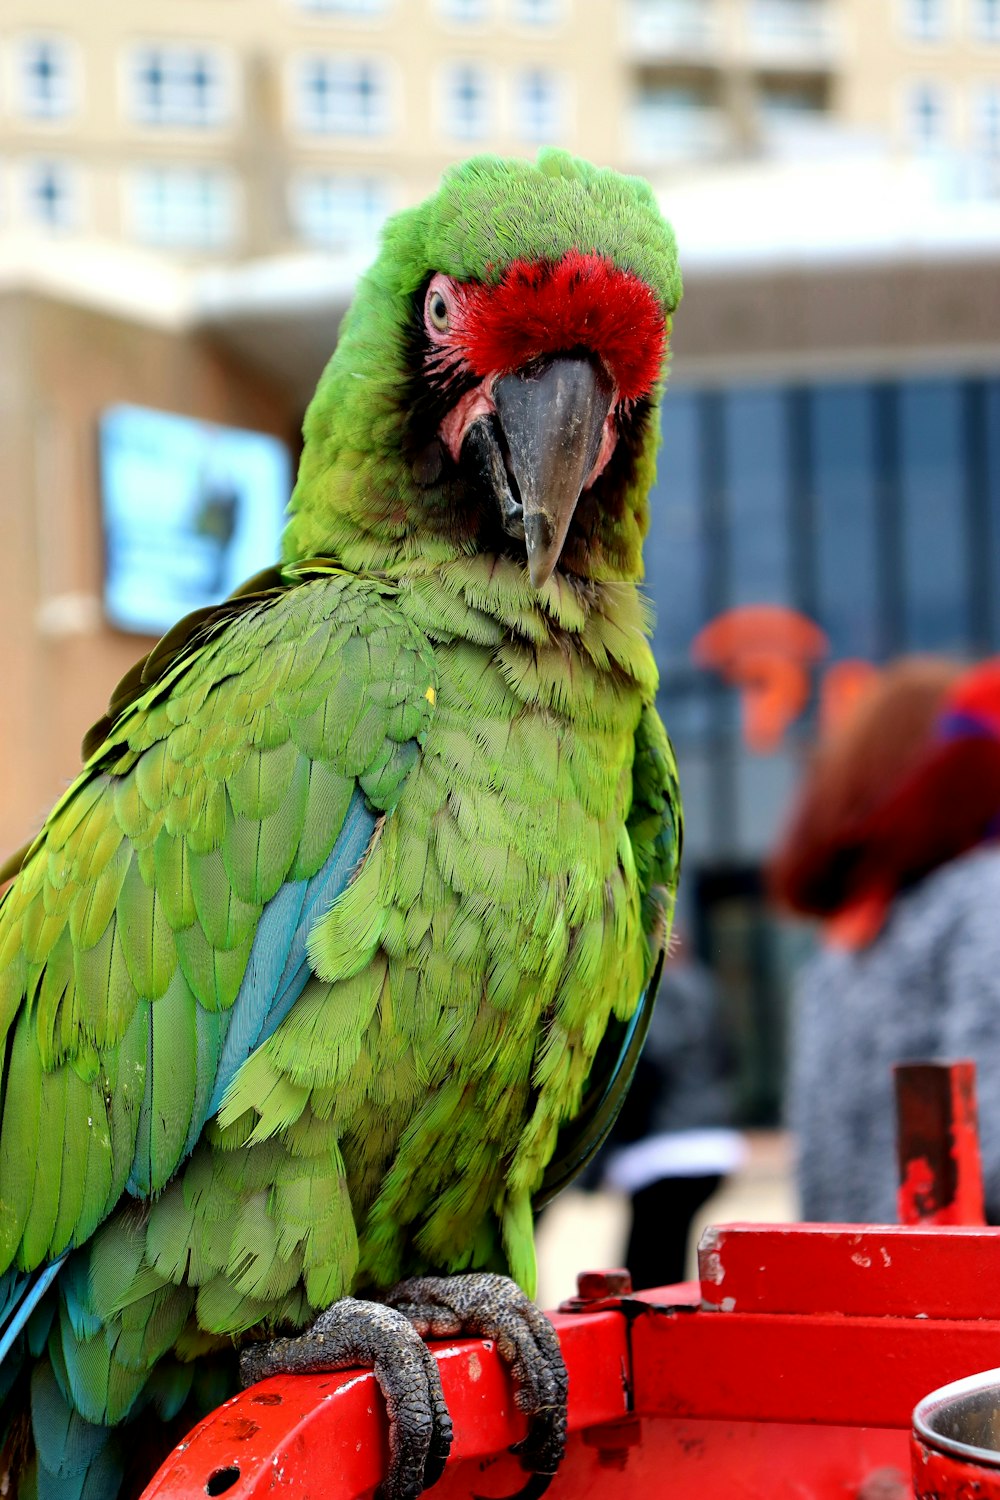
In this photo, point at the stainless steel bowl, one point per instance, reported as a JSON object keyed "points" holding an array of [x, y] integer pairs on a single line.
{"points": [[963, 1419]]}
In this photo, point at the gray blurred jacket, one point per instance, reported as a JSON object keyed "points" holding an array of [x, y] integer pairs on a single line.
{"points": [[927, 989]]}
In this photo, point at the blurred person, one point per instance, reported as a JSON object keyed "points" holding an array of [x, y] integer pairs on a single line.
{"points": [[893, 843], [670, 1149]]}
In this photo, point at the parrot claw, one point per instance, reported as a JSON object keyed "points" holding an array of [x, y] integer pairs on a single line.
{"points": [[352, 1333], [494, 1307]]}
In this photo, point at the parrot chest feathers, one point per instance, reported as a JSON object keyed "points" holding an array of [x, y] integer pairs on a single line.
{"points": [[511, 926]]}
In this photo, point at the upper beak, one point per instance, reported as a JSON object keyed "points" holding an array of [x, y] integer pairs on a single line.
{"points": [[552, 416]]}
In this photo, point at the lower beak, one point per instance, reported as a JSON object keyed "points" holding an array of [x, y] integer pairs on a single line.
{"points": [[551, 417]]}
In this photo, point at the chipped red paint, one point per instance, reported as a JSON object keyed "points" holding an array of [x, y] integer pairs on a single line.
{"points": [[668, 1397], [940, 1171], [938, 1476], [581, 300], [789, 1373], [916, 1201]]}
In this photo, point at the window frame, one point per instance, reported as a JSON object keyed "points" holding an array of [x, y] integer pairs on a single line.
{"points": [[444, 93], [174, 112], [309, 128], [983, 30], [918, 33], [532, 24], [518, 78], [449, 17], [649, 112], [911, 88], [72, 80], [363, 13], [983, 90], [306, 179], [212, 243], [76, 217]]}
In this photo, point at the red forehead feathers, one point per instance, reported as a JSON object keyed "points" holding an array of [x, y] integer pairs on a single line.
{"points": [[581, 300]]}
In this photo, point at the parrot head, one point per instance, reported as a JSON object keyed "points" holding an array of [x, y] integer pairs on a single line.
{"points": [[497, 376]]}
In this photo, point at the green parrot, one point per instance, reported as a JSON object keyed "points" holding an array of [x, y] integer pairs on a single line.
{"points": [[335, 959]]}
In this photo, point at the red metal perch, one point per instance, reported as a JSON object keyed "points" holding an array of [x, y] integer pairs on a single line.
{"points": [[789, 1371]]}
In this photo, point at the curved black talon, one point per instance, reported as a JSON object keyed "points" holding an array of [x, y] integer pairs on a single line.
{"points": [[353, 1333], [494, 1307]]}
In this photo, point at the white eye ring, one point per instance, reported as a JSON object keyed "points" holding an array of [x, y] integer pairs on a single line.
{"points": [[437, 311]]}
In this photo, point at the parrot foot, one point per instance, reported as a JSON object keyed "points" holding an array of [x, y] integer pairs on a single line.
{"points": [[494, 1307], [352, 1333]]}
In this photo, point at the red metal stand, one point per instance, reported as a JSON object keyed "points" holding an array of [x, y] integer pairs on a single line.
{"points": [[937, 1137], [789, 1372], [792, 1370]]}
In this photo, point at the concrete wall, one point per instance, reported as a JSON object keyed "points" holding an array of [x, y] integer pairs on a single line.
{"points": [[59, 367], [819, 321]]}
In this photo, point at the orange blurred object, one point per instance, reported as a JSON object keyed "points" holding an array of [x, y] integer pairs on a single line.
{"points": [[844, 686], [766, 650]]}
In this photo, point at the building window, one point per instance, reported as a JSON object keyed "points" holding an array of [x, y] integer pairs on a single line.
{"points": [[986, 20], [986, 117], [538, 114], [182, 208], [352, 9], [926, 116], [341, 96], [466, 12], [924, 20], [179, 85], [45, 78], [674, 121], [790, 106], [52, 195], [536, 12], [337, 211], [467, 103]]}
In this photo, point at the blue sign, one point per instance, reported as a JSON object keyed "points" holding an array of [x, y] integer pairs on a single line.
{"points": [[190, 511]]}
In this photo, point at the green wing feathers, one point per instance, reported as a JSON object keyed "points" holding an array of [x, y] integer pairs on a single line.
{"points": [[655, 826], [225, 772]]}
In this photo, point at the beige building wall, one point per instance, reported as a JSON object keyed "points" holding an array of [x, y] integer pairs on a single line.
{"points": [[660, 86], [261, 144], [62, 365], [898, 48]]}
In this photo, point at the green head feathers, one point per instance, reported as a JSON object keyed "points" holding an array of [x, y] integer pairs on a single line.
{"points": [[517, 292]]}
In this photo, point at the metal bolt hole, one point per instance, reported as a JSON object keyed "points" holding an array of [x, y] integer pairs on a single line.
{"points": [[222, 1480]]}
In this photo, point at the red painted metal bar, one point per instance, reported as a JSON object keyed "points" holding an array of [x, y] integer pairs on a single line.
{"points": [[325, 1435], [862, 1269], [648, 1375], [789, 1372], [937, 1134], [763, 1367]]}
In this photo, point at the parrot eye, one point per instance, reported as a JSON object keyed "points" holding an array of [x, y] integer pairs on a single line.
{"points": [[437, 310]]}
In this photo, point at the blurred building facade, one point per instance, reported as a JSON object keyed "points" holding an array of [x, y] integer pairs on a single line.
{"points": [[187, 191], [241, 128], [712, 78]]}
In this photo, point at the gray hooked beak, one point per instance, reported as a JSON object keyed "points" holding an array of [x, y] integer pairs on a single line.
{"points": [[551, 416]]}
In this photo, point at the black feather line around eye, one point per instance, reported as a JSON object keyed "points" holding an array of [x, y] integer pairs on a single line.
{"points": [[433, 384]]}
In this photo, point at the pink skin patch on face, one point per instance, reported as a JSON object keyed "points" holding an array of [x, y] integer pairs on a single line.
{"points": [[609, 437], [474, 404], [489, 330]]}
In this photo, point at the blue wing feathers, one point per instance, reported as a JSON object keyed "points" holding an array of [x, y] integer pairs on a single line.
{"points": [[278, 966], [20, 1294], [276, 974]]}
